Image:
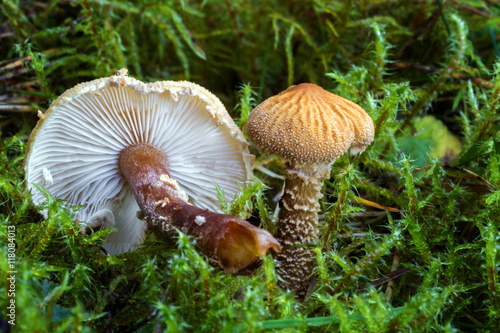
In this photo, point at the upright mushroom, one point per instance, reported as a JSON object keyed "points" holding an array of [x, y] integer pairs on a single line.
{"points": [[117, 146], [308, 127]]}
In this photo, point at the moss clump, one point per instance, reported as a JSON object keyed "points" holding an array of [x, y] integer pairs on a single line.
{"points": [[409, 242]]}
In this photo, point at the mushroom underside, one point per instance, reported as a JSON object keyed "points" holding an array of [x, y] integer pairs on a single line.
{"points": [[75, 147]]}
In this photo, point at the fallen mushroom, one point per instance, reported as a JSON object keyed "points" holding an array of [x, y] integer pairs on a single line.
{"points": [[117, 146], [308, 127]]}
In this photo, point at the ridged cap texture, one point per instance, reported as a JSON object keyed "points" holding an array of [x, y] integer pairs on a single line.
{"points": [[307, 124]]}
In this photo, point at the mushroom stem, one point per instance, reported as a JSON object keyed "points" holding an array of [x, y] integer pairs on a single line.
{"points": [[299, 206], [234, 243]]}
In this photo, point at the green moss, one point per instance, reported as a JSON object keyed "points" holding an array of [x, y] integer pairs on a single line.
{"points": [[425, 71]]}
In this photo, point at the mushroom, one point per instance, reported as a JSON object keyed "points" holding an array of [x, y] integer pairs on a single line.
{"points": [[119, 146], [308, 127]]}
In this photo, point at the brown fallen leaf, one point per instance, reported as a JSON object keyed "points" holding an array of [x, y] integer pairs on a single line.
{"points": [[376, 205]]}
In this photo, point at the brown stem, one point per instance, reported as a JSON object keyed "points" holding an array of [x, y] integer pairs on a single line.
{"points": [[299, 218], [390, 284], [458, 76], [234, 243]]}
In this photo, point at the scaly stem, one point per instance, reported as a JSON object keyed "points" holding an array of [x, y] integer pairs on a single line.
{"points": [[234, 243], [299, 218]]}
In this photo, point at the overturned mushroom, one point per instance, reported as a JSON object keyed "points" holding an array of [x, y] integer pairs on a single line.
{"points": [[308, 127], [117, 145]]}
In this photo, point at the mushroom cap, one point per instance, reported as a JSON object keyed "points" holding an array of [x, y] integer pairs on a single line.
{"points": [[73, 150], [307, 124]]}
